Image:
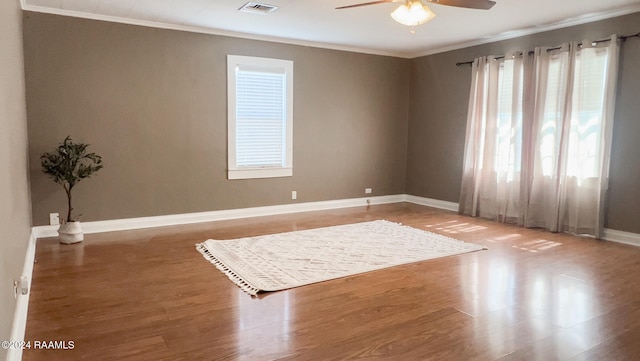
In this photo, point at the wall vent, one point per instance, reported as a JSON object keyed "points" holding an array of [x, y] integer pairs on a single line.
{"points": [[258, 8]]}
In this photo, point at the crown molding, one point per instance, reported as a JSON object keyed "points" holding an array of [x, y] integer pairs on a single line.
{"points": [[588, 18], [203, 30], [584, 19]]}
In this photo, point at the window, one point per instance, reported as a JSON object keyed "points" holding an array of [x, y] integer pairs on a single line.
{"points": [[260, 117], [508, 148], [586, 111], [585, 139], [538, 137]]}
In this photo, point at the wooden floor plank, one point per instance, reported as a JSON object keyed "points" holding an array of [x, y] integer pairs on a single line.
{"points": [[149, 295]]}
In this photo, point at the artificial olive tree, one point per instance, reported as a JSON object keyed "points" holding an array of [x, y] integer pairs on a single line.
{"points": [[69, 164]]}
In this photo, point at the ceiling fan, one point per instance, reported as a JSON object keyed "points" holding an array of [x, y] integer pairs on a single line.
{"points": [[414, 12]]}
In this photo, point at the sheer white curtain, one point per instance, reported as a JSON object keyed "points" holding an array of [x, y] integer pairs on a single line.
{"points": [[539, 136], [492, 164]]}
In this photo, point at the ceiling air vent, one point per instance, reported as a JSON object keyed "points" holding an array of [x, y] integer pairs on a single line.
{"points": [[257, 8]]}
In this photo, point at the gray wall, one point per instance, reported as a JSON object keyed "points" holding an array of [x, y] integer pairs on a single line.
{"points": [[15, 218], [152, 102], [438, 108]]}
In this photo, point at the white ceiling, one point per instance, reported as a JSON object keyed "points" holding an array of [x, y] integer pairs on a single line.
{"points": [[367, 29]]}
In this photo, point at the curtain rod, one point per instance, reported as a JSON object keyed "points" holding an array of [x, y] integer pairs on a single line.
{"points": [[621, 37]]}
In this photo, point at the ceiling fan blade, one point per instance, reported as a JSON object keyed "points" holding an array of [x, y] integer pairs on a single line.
{"points": [[470, 4], [370, 3]]}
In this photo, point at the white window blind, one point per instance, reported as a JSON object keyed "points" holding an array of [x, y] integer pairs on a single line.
{"points": [[585, 140], [260, 117], [587, 94], [508, 141]]}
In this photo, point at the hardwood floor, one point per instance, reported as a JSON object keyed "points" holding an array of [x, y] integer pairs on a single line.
{"points": [[149, 295]]}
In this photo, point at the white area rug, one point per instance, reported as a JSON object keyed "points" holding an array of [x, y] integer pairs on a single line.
{"points": [[279, 261]]}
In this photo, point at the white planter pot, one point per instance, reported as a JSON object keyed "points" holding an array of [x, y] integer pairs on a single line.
{"points": [[70, 232]]}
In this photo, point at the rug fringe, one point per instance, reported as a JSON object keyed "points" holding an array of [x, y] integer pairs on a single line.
{"points": [[234, 277]]}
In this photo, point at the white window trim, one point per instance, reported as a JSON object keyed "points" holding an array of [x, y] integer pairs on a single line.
{"points": [[277, 65]]}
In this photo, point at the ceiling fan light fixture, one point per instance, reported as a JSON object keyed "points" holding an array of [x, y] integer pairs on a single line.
{"points": [[412, 13]]}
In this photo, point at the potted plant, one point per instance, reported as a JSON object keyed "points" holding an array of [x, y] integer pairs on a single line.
{"points": [[67, 165]]}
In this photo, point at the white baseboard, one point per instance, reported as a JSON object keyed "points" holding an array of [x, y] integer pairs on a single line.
{"points": [[189, 218], [621, 237], [608, 234], [429, 202], [22, 304]]}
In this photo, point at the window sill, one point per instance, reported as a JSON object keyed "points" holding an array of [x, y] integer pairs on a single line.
{"points": [[259, 173]]}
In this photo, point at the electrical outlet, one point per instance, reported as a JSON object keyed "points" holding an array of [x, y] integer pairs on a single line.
{"points": [[368, 190], [54, 219], [294, 195], [24, 285]]}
